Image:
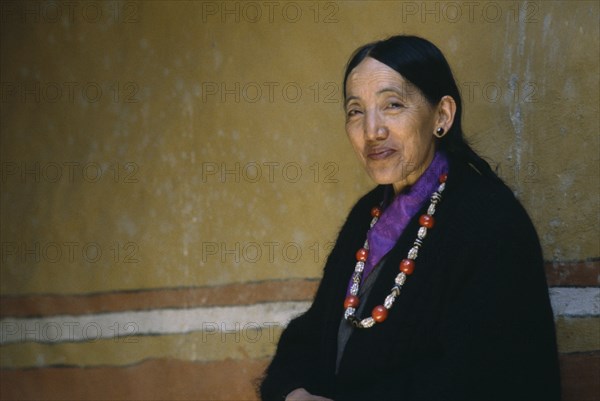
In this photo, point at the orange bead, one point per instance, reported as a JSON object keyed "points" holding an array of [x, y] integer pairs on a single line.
{"points": [[379, 313], [443, 178], [375, 212], [352, 301], [362, 254], [426, 220], [407, 266]]}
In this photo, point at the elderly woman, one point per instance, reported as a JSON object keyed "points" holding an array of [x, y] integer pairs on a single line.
{"points": [[435, 288]]}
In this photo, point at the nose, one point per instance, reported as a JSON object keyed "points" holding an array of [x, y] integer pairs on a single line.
{"points": [[374, 126]]}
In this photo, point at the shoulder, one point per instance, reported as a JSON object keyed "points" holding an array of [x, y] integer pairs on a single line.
{"points": [[483, 208], [484, 238], [481, 195], [361, 211]]}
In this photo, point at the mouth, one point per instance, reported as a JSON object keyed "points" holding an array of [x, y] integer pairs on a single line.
{"points": [[380, 153]]}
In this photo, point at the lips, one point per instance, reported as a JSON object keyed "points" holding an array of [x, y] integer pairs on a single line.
{"points": [[380, 153]]}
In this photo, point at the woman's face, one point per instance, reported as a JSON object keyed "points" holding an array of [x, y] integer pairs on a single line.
{"points": [[389, 123]]}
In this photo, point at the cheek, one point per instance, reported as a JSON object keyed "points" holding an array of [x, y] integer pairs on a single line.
{"points": [[355, 138], [420, 128], [413, 137], [407, 132], [423, 147]]}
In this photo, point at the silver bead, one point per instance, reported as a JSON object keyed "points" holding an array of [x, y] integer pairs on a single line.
{"points": [[354, 289], [356, 278], [418, 242], [389, 301], [366, 244], [431, 209], [442, 187], [373, 221], [422, 232], [367, 322], [360, 266], [349, 312], [396, 290], [400, 279], [412, 254]]}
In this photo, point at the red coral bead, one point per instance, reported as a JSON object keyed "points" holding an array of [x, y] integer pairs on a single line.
{"points": [[443, 178], [379, 313], [426, 220], [407, 266], [352, 301], [375, 212], [361, 255]]}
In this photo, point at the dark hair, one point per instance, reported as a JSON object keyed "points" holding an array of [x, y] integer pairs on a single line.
{"points": [[422, 64]]}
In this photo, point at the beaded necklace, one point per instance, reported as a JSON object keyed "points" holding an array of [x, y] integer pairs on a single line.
{"points": [[407, 265]]}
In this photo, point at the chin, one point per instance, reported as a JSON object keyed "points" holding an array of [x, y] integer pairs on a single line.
{"points": [[382, 178]]}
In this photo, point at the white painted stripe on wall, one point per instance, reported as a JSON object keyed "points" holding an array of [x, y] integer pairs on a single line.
{"points": [[573, 302], [569, 301], [55, 329]]}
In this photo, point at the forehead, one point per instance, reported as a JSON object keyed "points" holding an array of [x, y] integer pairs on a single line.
{"points": [[371, 74]]}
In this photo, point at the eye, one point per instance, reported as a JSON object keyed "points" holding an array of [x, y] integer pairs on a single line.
{"points": [[395, 105], [353, 112]]}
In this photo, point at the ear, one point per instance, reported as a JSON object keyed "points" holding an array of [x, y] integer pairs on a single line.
{"points": [[446, 109]]}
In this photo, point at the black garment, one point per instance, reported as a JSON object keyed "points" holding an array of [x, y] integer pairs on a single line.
{"points": [[473, 322]]}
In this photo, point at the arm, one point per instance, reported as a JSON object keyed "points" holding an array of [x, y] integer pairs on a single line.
{"points": [[305, 355], [292, 366]]}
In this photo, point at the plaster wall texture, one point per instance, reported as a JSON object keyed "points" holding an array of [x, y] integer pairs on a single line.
{"points": [[159, 155]]}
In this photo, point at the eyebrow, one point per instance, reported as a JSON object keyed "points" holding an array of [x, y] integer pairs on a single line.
{"points": [[379, 92], [349, 98]]}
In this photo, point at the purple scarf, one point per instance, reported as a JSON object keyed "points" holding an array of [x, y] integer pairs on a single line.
{"points": [[394, 219]]}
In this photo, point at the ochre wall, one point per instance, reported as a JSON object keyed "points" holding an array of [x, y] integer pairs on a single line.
{"points": [[173, 174]]}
